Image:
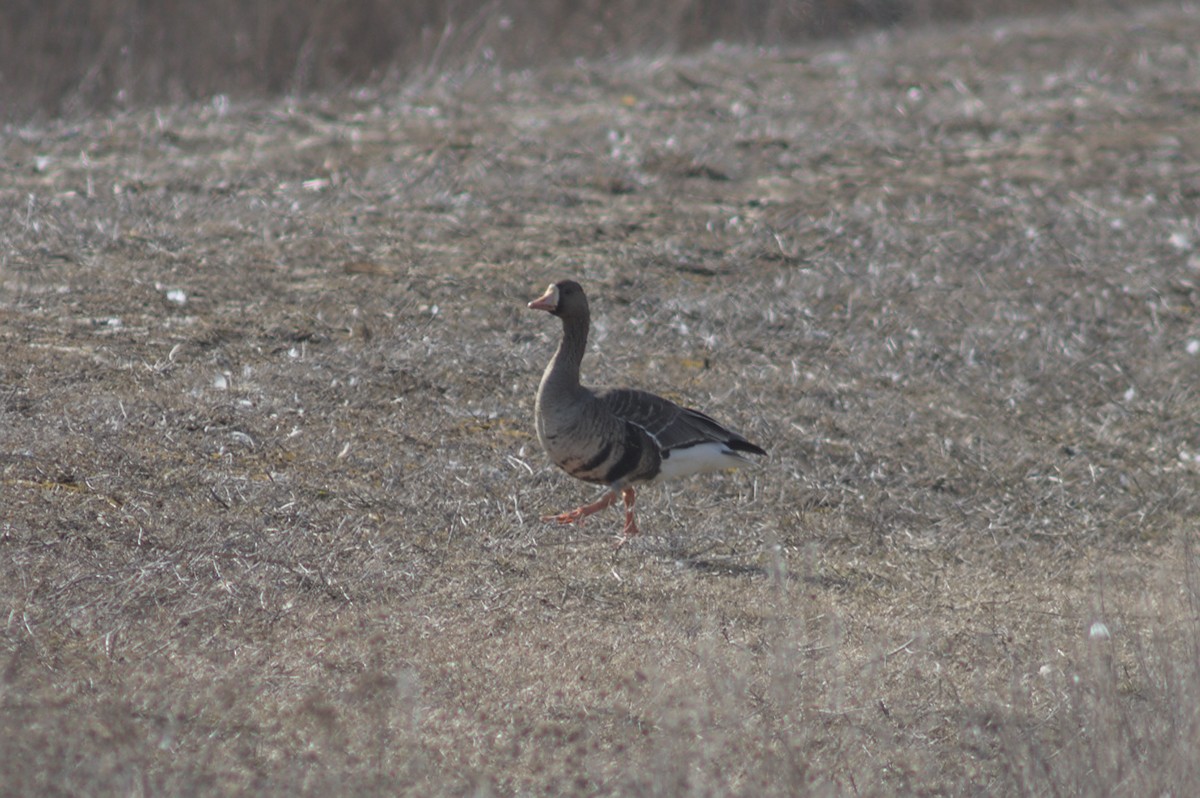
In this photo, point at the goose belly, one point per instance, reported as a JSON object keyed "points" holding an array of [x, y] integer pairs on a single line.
{"points": [[616, 455], [577, 455]]}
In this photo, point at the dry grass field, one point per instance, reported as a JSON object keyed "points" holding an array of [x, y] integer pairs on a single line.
{"points": [[69, 57], [271, 495]]}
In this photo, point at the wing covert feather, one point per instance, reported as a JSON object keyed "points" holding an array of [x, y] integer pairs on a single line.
{"points": [[672, 426]]}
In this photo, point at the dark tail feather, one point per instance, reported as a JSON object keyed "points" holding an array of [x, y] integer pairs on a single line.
{"points": [[743, 445]]}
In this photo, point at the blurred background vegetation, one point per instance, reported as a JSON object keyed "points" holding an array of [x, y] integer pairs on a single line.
{"points": [[72, 57]]}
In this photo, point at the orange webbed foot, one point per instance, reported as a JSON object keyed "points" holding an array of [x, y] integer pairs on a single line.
{"points": [[577, 515], [630, 529]]}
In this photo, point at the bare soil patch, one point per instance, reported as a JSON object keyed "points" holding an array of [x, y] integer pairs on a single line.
{"points": [[271, 493]]}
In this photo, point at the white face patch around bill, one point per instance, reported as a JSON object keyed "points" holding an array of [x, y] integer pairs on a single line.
{"points": [[547, 301]]}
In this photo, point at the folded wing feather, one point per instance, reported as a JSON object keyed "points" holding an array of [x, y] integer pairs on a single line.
{"points": [[671, 426]]}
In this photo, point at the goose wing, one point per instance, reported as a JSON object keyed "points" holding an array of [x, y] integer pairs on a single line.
{"points": [[671, 426]]}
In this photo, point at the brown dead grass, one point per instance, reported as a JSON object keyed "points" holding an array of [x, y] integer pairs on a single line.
{"points": [[271, 494], [66, 57]]}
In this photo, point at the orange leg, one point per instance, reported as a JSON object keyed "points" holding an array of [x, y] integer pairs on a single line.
{"points": [[579, 513], [631, 527]]}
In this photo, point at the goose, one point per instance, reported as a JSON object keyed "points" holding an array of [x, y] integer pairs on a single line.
{"points": [[616, 437]]}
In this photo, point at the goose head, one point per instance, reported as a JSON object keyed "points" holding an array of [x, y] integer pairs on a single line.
{"points": [[563, 299]]}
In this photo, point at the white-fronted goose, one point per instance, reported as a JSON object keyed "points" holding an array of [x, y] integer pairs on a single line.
{"points": [[616, 437]]}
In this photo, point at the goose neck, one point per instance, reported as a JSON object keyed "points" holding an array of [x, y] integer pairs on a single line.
{"points": [[564, 368]]}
